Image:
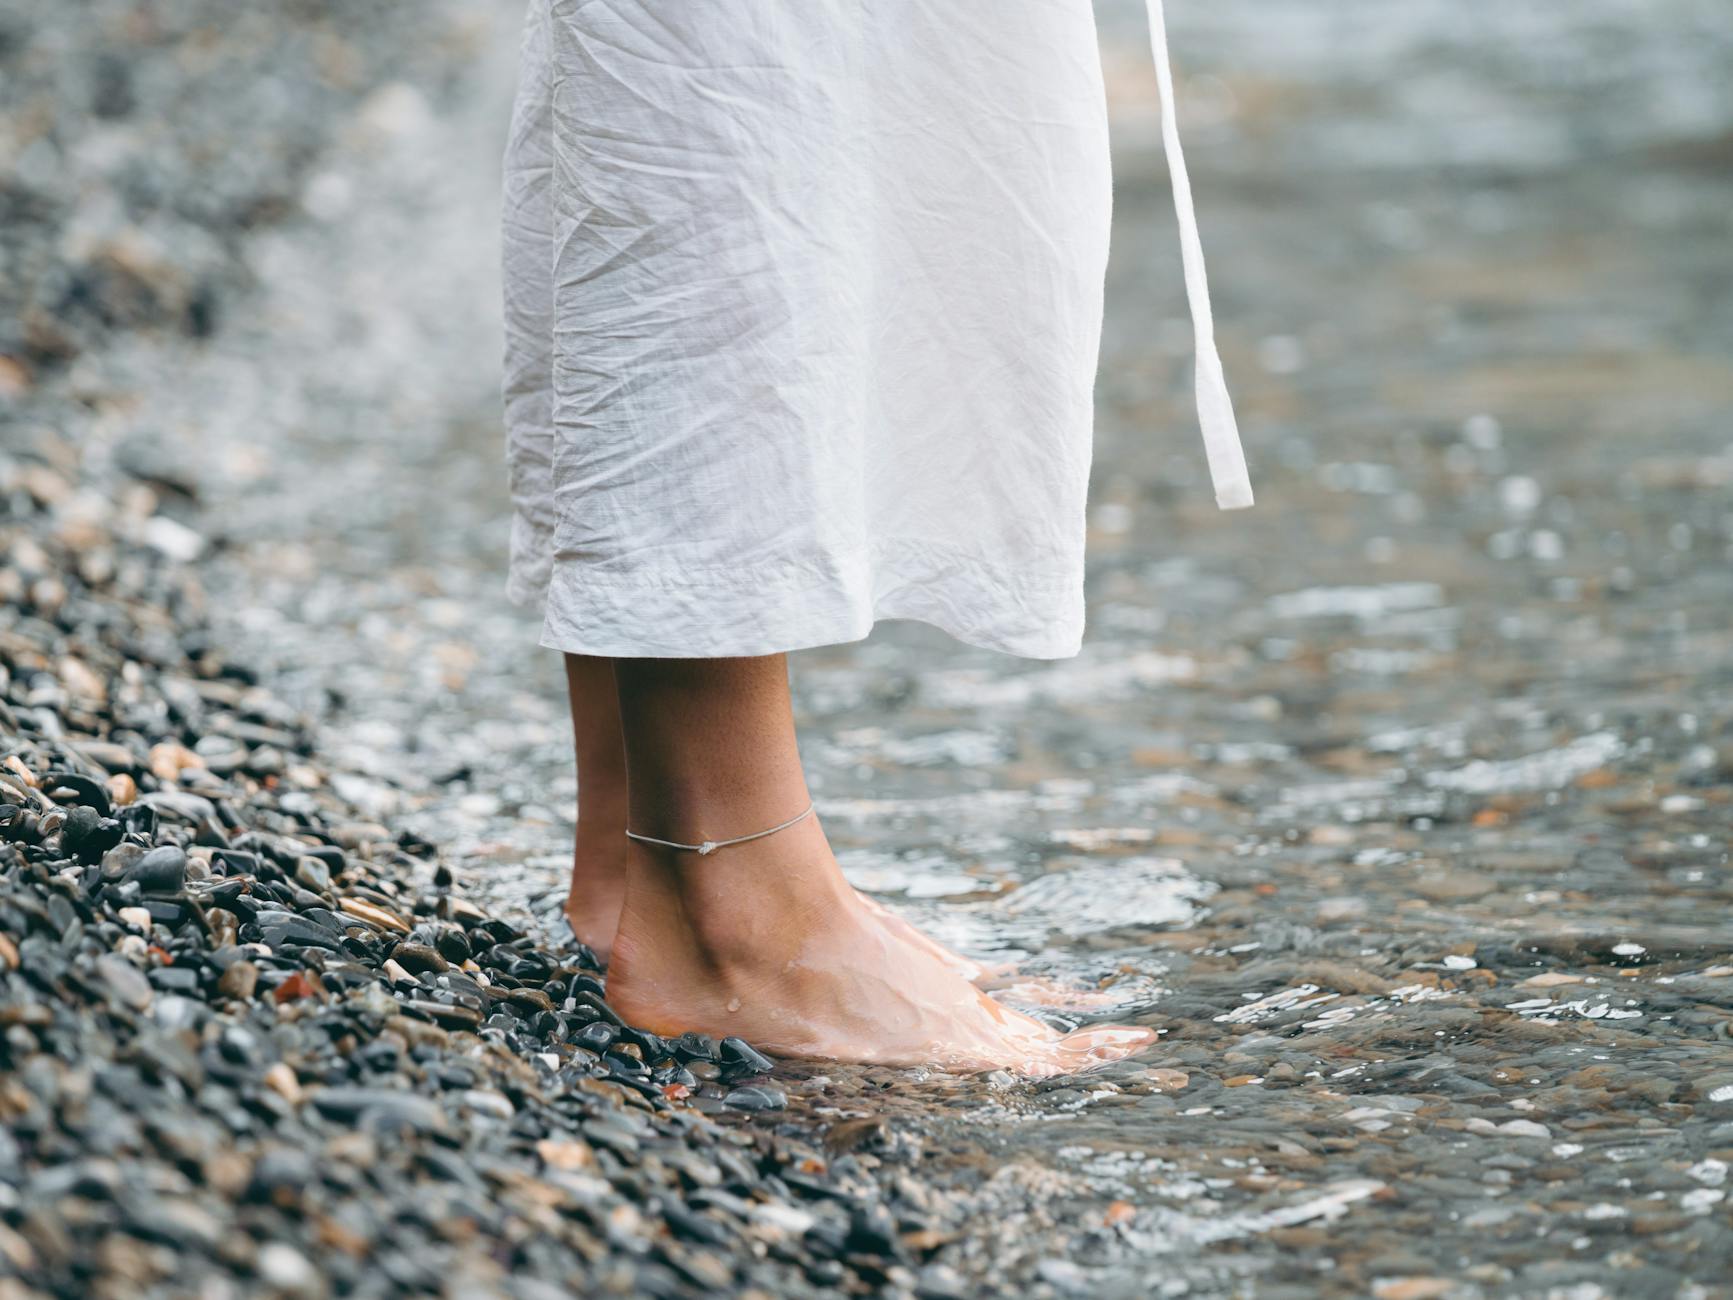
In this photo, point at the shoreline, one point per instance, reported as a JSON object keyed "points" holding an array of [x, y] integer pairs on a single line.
{"points": [[1400, 804]]}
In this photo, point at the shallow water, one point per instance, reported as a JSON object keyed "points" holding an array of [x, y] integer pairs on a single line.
{"points": [[1400, 804]]}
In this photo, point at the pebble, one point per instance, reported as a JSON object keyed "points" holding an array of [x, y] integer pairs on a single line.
{"points": [[239, 980], [375, 915], [160, 871], [280, 1078], [738, 1052], [756, 1098], [286, 1269], [129, 983]]}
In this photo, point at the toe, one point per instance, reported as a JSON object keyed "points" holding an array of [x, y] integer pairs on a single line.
{"points": [[1104, 1044]]}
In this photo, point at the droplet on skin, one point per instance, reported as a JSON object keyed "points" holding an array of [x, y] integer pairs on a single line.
{"points": [[734, 1004]]}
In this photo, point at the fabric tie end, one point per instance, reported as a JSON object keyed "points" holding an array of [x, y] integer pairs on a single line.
{"points": [[1221, 435], [1236, 496]]}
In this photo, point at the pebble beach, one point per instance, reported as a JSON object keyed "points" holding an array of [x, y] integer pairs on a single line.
{"points": [[1400, 805]]}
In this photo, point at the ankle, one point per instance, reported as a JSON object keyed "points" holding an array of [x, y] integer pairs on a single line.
{"points": [[598, 850], [745, 905]]}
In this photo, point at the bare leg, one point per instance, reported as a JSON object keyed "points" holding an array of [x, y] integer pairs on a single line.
{"points": [[598, 884], [599, 859], [767, 939]]}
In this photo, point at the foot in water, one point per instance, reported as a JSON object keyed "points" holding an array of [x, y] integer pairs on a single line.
{"points": [[768, 941], [598, 891]]}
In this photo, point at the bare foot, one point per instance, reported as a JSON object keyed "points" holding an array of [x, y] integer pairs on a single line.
{"points": [[966, 967], [598, 890], [774, 946], [1001, 977], [1040, 991]]}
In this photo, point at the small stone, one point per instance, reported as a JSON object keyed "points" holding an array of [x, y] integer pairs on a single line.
{"points": [[1549, 979], [239, 981], [529, 1001], [282, 1080], [284, 1268], [446, 1014], [390, 1107], [129, 983], [175, 979], [566, 1153], [453, 945], [82, 834], [1412, 1288], [170, 758], [1062, 1274], [293, 989], [489, 1102], [314, 874], [756, 1098], [695, 1047], [418, 957], [1454, 885], [161, 871], [374, 915], [738, 1052]]}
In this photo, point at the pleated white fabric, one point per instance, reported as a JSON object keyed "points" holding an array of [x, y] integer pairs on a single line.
{"points": [[803, 310]]}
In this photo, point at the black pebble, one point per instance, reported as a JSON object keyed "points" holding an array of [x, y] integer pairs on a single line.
{"points": [[161, 871], [739, 1053]]}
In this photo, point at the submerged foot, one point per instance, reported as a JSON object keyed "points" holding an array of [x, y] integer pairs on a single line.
{"points": [[777, 948], [965, 967]]}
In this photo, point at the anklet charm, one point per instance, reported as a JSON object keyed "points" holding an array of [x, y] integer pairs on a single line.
{"points": [[708, 847]]}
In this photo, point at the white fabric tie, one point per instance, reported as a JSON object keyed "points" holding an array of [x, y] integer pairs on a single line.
{"points": [[1215, 410]]}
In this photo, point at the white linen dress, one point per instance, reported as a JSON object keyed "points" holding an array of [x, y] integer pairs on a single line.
{"points": [[803, 309]]}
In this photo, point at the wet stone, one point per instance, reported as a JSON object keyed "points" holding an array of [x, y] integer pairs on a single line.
{"points": [[384, 1108], [417, 958], [176, 979], [160, 871], [756, 1098], [129, 984], [239, 980], [695, 1047], [447, 1014], [737, 1053]]}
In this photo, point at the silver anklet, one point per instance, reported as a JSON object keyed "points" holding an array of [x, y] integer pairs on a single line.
{"points": [[710, 846]]}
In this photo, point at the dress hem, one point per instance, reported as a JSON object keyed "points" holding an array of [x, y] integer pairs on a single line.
{"points": [[663, 615], [552, 641]]}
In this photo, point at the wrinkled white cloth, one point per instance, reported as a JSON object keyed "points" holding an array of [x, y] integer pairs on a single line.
{"points": [[803, 309]]}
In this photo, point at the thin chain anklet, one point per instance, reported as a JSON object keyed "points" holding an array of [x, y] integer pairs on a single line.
{"points": [[710, 846]]}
